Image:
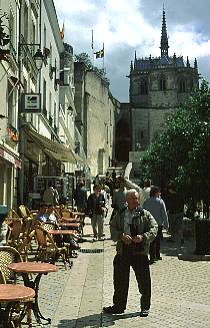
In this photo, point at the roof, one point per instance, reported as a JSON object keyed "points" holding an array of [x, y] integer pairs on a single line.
{"points": [[149, 63]]}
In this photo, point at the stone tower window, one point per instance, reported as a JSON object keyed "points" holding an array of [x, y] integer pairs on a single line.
{"points": [[162, 84], [182, 86], [143, 87]]}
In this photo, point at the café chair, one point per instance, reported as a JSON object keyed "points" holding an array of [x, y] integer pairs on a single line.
{"points": [[47, 250], [8, 255]]}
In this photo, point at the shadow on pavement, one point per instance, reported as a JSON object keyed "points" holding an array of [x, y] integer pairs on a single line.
{"points": [[173, 249], [96, 320]]}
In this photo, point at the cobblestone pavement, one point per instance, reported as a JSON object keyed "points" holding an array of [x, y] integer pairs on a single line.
{"points": [[75, 297]]}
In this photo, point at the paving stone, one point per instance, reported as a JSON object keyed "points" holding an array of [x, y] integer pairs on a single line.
{"points": [[74, 298]]}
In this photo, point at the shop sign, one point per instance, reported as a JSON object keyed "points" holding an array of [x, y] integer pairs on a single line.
{"points": [[10, 158], [31, 103]]}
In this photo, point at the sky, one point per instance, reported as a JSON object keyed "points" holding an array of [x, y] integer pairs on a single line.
{"points": [[128, 25]]}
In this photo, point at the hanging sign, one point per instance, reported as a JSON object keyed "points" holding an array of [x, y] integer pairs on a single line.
{"points": [[31, 103]]}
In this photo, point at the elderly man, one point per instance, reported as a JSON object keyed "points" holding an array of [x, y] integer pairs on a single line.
{"points": [[133, 228]]}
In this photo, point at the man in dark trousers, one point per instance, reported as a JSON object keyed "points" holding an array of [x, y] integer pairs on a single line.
{"points": [[96, 210], [156, 206], [133, 229]]}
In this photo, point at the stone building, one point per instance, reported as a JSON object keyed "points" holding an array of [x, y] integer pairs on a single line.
{"points": [[158, 86], [10, 85], [95, 119]]}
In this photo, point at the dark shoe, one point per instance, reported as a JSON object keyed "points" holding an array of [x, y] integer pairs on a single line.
{"points": [[159, 258], [144, 313], [112, 310], [151, 261]]}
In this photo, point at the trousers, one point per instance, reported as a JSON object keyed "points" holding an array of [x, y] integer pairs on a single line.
{"points": [[97, 221], [140, 265], [154, 249]]}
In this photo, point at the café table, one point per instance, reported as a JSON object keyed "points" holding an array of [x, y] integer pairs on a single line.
{"points": [[12, 295], [28, 268], [63, 232], [70, 224]]}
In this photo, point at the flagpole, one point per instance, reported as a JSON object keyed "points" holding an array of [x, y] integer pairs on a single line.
{"points": [[103, 56], [92, 47]]}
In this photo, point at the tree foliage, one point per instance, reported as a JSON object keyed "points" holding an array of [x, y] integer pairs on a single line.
{"points": [[182, 151], [84, 58]]}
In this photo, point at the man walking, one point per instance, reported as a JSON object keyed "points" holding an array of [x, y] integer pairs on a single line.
{"points": [[156, 207], [133, 229], [96, 209]]}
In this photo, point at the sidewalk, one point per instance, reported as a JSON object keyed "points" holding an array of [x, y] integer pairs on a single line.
{"points": [[75, 298]]}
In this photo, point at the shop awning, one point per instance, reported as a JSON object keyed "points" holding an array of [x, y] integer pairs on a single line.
{"points": [[53, 149], [10, 156]]}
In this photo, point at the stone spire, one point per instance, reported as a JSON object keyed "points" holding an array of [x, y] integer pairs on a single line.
{"points": [[164, 38], [131, 66], [188, 63], [195, 64]]}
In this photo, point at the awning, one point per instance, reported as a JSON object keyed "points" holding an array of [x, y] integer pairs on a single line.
{"points": [[53, 149], [10, 157]]}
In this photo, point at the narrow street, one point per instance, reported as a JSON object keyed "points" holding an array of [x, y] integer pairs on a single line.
{"points": [[75, 298]]}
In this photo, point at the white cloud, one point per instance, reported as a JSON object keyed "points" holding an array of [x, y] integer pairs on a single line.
{"points": [[135, 24]]}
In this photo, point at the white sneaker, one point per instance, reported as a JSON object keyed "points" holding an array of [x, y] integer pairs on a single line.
{"points": [[101, 238], [94, 239]]}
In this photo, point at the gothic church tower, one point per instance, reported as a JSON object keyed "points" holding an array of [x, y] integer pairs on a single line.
{"points": [[158, 86]]}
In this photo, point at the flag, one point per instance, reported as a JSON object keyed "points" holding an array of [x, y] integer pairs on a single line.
{"points": [[62, 32], [100, 53]]}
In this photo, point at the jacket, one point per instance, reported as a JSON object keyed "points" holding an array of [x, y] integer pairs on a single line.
{"points": [[156, 207], [146, 225]]}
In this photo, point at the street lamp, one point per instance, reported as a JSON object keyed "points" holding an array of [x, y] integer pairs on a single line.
{"points": [[38, 57]]}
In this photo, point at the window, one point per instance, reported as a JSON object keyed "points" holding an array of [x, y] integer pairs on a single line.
{"points": [[10, 101], [143, 87], [26, 22], [45, 37], [55, 114], [182, 86], [44, 94], [50, 103], [12, 29], [162, 84]]}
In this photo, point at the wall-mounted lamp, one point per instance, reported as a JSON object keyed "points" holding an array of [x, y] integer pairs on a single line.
{"points": [[38, 56]]}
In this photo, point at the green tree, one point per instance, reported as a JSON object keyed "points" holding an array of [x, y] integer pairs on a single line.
{"points": [[84, 58], [182, 151]]}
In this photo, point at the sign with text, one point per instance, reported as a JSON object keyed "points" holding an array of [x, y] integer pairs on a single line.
{"points": [[32, 103]]}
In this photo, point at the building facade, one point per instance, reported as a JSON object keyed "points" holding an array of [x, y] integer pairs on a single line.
{"points": [[95, 119], [158, 86], [10, 162]]}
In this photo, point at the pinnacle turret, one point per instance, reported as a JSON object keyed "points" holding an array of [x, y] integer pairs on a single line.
{"points": [[164, 38]]}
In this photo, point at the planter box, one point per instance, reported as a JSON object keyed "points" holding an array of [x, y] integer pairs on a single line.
{"points": [[202, 237]]}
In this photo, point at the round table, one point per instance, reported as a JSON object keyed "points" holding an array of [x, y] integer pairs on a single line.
{"points": [[26, 268], [12, 295], [63, 232]]}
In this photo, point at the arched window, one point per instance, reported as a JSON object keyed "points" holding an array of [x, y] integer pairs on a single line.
{"points": [[143, 87], [182, 85], [162, 84]]}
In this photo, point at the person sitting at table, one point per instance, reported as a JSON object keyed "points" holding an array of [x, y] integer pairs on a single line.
{"points": [[50, 214], [42, 214]]}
